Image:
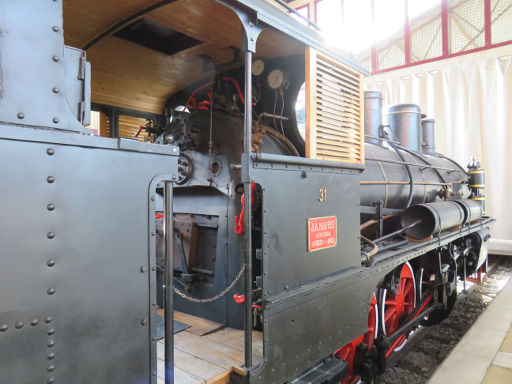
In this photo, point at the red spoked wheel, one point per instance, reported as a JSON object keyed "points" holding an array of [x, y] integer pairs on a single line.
{"points": [[348, 352], [395, 308]]}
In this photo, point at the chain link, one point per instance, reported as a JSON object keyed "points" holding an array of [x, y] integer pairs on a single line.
{"points": [[216, 297]]}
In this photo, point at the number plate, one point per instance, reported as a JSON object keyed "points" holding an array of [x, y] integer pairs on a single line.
{"points": [[322, 233]]}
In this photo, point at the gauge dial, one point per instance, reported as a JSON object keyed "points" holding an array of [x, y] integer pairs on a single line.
{"points": [[258, 66], [275, 79]]}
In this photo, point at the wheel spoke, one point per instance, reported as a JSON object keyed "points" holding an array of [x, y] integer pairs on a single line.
{"points": [[389, 313]]}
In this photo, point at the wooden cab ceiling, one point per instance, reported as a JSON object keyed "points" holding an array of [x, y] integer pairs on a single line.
{"points": [[141, 76]]}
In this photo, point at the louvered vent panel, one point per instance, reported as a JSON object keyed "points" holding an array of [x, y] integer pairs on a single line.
{"points": [[334, 110]]}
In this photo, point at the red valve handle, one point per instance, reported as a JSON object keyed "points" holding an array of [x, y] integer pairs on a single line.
{"points": [[239, 220], [239, 299]]}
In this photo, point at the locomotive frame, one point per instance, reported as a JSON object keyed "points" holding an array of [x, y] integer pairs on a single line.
{"points": [[63, 203]]}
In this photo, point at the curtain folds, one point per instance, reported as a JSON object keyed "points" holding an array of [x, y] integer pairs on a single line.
{"points": [[471, 100]]}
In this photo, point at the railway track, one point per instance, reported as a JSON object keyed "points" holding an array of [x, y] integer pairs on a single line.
{"points": [[427, 347]]}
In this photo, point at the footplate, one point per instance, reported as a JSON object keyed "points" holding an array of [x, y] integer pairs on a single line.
{"points": [[330, 371]]}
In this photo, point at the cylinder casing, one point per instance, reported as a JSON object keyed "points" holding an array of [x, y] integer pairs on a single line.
{"points": [[472, 210], [404, 121], [435, 217], [372, 115]]}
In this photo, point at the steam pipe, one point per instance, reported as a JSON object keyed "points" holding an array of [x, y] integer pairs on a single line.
{"points": [[424, 160], [397, 232], [410, 164], [409, 173]]}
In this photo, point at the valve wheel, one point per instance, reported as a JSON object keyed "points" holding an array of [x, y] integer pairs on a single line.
{"points": [[395, 308], [348, 351]]}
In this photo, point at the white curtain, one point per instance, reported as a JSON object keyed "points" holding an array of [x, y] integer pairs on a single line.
{"points": [[470, 97]]}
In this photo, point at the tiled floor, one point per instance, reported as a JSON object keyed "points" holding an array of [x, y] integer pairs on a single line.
{"points": [[484, 355]]}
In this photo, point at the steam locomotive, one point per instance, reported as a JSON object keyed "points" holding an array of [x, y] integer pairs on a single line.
{"points": [[271, 195], [409, 194]]}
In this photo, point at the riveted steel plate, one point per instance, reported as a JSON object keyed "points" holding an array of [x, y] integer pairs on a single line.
{"points": [[32, 44], [75, 257]]}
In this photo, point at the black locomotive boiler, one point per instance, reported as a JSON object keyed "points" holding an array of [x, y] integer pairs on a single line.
{"points": [[271, 195]]}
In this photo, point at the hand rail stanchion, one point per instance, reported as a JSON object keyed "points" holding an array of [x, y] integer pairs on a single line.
{"points": [[248, 210], [168, 307]]}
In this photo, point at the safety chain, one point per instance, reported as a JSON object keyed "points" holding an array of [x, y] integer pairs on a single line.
{"points": [[216, 297]]}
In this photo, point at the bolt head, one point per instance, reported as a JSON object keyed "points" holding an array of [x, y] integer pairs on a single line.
{"points": [[34, 322], [51, 368], [51, 291], [50, 235], [50, 263], [174, 177], [50, 207], [50, 356], [56, 120], [152, 197], [50, 343], [3, 327], [55, 28], [50, 380], [55, 90], [48, 320], [20, 115], [55, 58], [50, 179], [144, 322], [18, 325], [143, 269], [50, 332], [50, 151]]}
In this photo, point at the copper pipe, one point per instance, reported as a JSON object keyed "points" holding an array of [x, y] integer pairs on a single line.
{"points": [[375, 248], [371, 222]]}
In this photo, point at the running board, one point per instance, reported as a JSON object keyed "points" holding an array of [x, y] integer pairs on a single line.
{"points": [[330, 371]]}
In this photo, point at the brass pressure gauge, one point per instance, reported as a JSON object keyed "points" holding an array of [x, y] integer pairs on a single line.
{"points": [[275, 79], [258, 66]]}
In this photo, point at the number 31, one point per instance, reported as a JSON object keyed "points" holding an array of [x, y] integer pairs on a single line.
{"points": [[322, 195]]}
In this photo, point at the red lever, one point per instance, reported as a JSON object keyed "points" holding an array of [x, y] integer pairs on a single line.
{"points": [[159, 216], [239, 220], [239, 299]]}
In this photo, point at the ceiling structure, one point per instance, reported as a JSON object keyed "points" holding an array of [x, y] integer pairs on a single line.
{"points": [[135, 74]]}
